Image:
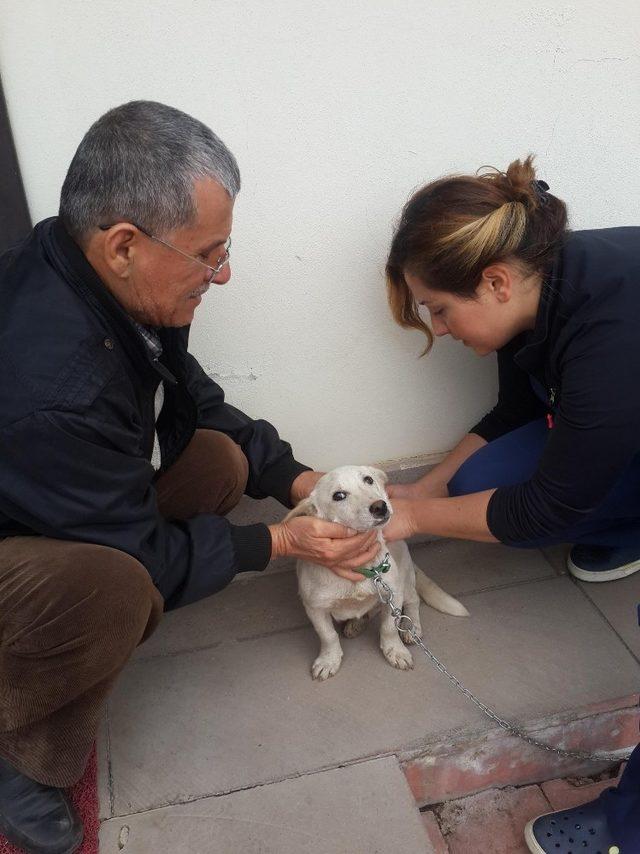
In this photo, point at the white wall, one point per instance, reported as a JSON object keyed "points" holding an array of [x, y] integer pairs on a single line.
{"points": [[336, 111]]}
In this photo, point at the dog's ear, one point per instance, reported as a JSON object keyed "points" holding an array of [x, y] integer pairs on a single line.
{"points": [[306, 507], [382, 476]]}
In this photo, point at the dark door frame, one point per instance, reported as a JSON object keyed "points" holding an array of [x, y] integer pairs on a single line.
{"points": [[15, 221]]}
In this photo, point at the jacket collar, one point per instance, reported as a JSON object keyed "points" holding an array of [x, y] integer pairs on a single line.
{"points": [[71, 261], [532, 356]]}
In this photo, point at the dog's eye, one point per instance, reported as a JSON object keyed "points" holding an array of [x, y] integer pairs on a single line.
{"points": [[339, 496], [367, 479]]}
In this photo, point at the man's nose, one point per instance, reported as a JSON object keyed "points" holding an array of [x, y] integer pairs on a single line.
{"points": [[223, 276]]}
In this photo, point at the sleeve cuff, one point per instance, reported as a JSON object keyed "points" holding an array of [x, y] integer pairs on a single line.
{"points": [[277, 479], [510, 521], [251, 547], [494, 517]]}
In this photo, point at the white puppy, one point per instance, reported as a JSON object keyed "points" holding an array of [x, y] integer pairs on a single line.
{"points": [[355, 496]]}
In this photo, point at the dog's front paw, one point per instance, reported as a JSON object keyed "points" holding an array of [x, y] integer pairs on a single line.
{"points": [[398, 656], [325, 666]]}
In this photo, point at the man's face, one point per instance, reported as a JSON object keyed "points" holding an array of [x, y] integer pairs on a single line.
{"points": [[163, 287]]}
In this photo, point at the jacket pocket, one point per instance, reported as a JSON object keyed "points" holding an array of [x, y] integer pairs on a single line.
{"points": [[90, 368]]}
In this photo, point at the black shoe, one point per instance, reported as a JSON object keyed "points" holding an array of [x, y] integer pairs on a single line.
{"points": [[40, 819]]}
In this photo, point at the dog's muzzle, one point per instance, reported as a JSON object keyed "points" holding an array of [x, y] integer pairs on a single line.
{"points": [[380, 511]]}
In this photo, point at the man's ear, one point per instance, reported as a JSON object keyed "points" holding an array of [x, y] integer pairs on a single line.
{"points": [[306, 507], [114, 249]]}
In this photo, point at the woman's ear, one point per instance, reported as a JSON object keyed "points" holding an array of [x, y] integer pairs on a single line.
{"points": [[497, 279], [306, 507]]}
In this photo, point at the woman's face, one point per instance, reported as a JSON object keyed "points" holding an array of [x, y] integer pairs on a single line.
{"points": [[498, 312]]}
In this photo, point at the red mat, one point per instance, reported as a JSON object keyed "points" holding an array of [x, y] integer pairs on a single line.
{"points": [[85, 797]]}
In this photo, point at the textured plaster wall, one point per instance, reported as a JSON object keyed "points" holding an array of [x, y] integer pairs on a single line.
{"points": [[336, 111]]}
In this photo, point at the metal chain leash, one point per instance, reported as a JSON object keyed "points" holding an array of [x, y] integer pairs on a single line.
{"points": [[405, 624]]}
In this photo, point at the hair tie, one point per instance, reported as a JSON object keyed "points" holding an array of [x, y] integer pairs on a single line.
{"points": [[541, 188]]}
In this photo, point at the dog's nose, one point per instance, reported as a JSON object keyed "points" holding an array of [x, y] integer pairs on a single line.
{"points": [[378, 509]]}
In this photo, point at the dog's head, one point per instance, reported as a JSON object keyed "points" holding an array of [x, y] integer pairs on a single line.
{"points": [[351, 495]]}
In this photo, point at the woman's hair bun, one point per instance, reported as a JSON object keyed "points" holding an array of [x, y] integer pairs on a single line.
{"points": [[519, 183]]}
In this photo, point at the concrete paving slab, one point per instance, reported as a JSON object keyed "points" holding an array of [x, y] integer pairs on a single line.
{"points": [[619, 602], [361, 809], [557, 557], [461, 566], [247, 608], [247, 712], [280, 564], [256, 605], [533, 649]]}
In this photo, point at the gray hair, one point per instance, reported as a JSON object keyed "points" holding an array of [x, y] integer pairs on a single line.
{"points": [[139, 162]]}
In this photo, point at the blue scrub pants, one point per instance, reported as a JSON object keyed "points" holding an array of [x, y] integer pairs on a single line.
{"points": [[512, 459], [622, 807]]}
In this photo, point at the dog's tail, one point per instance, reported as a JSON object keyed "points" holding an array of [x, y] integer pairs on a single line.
{"points": [[435, 596]]}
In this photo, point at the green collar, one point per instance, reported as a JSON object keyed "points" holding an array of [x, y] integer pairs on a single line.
{"points": [[372, 571]]}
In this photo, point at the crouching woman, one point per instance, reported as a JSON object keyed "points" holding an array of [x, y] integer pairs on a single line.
{"points": [[489, 260]]}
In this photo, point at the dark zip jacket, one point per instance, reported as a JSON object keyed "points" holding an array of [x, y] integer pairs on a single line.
{"points": [[585, 350], [77, 387]]}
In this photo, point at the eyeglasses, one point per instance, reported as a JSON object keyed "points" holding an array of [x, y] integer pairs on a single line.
{"points": [[213, 270]]}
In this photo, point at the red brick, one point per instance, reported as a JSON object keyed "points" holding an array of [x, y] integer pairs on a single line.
{"points": [[497, 759], [492, 821], [611, 705], [563, 794], [436, 840]]}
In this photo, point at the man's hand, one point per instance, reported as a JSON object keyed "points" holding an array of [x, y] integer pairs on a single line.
{"points": [[303, 484], [402, 524], [338, 548]]}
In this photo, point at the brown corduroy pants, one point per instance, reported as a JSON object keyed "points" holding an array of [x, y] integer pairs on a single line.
{"points": [[72, 613]]}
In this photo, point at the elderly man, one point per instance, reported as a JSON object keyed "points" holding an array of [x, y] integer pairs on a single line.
{"points": [[119, 457]]}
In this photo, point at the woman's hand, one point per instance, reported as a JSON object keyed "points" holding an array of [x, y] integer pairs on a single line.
{"points": [[424, 488], [338, 548], [303, 484], [402, 523], [434, 483], [463, 517]]}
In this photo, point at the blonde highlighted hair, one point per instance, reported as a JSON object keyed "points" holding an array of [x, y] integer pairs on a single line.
{"points": [[453, 228]]}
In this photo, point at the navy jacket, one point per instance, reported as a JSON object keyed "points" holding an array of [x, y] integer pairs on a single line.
{"points": [[585, 350], [77, 387]]}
